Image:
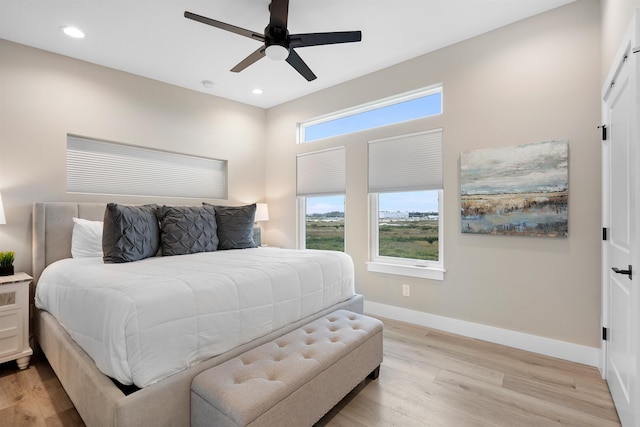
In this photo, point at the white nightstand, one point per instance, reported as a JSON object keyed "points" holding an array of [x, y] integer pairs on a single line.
{"points": [[14, 319]]}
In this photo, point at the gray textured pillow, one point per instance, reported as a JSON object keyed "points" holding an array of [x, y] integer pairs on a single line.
{"points": [[235, 226], [187, 229], [130, 233]]}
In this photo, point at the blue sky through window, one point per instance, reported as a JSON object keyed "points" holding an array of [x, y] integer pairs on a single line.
{"points": [[424, 106], [324, 204], [410, 201]]}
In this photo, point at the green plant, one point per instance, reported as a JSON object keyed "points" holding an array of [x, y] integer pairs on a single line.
{"points": [[7, 258]]}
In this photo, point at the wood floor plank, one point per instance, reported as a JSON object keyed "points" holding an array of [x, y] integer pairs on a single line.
{"points": [[506, 359], [458, 393], [560, 395], [52, 399], [14, 385], [24, 413], [428, 378], [366, 412], [68, 418], [412, 355], [595, 388], [521, 409], [416, 400]]}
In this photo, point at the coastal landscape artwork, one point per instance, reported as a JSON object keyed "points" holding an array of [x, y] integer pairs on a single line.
{"points": [[521, 190]]}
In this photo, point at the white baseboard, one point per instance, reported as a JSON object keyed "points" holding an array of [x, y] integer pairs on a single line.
{"points": [[546, 346]]}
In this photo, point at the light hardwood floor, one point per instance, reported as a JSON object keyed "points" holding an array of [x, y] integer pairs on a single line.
{"points": [[34, 397], [428, 378]]}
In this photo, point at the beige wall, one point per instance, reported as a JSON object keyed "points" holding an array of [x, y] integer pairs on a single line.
{"points": [[535, 80], [616, 16], [44, 96]]}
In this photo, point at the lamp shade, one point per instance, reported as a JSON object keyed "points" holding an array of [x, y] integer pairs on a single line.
{"points": [[3, 220], [262, 212]]}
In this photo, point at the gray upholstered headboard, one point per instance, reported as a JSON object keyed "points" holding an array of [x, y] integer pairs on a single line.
{"points": [[52, 229]]}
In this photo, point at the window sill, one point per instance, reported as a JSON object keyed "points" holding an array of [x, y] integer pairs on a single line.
{"points": [[433, 273]]}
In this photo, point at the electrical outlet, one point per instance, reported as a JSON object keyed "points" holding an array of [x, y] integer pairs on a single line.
{"points": [[406, 290]]}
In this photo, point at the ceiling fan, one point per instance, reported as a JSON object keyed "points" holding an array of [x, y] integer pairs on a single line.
{"points": [[278, 43]]}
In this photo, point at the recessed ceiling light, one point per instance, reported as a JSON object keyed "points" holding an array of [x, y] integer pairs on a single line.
{"points": [[73, 32], [208, 84], [257, 91]]}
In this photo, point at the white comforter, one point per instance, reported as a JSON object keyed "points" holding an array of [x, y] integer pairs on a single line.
{"points": [[145, 320]]}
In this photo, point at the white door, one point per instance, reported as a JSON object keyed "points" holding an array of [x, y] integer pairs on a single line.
{"points": [[621, 281]]}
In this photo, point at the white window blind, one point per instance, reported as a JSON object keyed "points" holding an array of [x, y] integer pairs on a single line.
{"points": [[406, 163], [102, 167], [321, 172]]}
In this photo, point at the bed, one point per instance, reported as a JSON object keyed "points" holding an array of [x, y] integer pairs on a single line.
{"points": [[163, 400]]}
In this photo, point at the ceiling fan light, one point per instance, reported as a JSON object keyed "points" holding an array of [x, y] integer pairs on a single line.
{"points": [[277, 52]]}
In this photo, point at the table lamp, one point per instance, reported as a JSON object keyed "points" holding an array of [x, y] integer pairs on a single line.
{"points": [[262, 214]]}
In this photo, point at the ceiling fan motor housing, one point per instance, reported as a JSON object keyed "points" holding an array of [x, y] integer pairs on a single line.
{"points": [[276, 35], [276, 42]]}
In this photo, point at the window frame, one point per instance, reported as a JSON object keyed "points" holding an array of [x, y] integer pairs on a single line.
{"points": [[404, 266], [301, 202]]}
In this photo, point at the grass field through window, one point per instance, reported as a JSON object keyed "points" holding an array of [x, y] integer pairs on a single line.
{"points": [[415, 238], [324, 233]]}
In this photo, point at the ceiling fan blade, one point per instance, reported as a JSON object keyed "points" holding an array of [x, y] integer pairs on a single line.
{"points": [[224, 26], [316, 39], [296, 62], [255, 56], [279, 13]]}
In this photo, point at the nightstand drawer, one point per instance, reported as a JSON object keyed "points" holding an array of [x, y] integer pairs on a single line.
{"points": [[10, 320], [7, 300], [10, 332]]}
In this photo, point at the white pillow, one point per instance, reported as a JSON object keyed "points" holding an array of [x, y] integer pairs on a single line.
{"points": [[86, 240]]}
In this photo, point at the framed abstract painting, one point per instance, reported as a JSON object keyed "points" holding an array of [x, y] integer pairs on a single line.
{"points": [[521, 190]]}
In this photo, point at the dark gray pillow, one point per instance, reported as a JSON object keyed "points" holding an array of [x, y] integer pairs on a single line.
{"points": [[130, 233], [235, 226], [187, 229]]}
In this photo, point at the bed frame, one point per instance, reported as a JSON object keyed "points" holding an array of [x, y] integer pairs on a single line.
{"points": [[98, 400]]}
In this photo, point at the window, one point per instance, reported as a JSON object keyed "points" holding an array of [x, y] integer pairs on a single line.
{"points": [[405, 184], [409, 106], [320, 182], [101, 167], [405, 194]]}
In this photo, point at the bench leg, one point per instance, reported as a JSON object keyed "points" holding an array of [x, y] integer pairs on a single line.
{"points": [[374, 374]]}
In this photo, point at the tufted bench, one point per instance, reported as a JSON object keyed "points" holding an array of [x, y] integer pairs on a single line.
{"points": [[293, 380]]}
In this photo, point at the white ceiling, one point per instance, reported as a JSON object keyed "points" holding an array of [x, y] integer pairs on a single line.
{"points": [[151, 38]]}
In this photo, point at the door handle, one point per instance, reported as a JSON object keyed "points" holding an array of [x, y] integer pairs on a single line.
{"points": [[627, 272]]}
